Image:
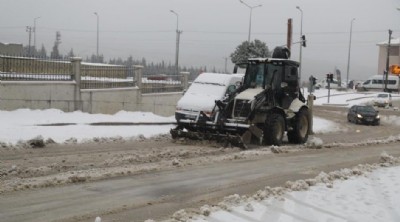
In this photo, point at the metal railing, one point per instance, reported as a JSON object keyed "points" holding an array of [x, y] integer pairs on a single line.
{"points": [[98, 76], [92, 75], [161, 83], [16, 68]]}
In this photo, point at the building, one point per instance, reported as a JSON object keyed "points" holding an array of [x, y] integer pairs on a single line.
{"points": [[11, 49], [394, 56]]}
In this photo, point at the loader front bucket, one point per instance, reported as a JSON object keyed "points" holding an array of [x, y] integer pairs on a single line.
{"points": [[224, 138]]}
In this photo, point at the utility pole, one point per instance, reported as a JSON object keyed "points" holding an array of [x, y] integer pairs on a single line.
{"points": [[387, 61], [29, 30], [289, 34], [178, 36], [348, 57], [34, 31], [97, 44]]}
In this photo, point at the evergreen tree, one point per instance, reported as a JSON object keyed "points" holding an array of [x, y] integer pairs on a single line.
{"points": [[71, 53], [248, 50], [55, 54], [42, 53]]}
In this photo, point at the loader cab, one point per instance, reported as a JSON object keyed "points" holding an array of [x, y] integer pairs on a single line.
{"points": [[278, 75], [266, 73]]}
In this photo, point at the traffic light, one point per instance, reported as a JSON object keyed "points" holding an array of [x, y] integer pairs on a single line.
{"points": [[303, 41], [329, 77], [314, 81]]}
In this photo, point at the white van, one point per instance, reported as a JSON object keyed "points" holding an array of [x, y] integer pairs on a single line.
{"points": [[203, 92], [323, 84], [377, 82]]}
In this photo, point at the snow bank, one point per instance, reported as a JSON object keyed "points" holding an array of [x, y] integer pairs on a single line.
{"points": [[22, 125], [356, 194]]}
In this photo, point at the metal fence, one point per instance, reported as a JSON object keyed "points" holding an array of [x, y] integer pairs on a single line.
{"points": [[16, 68], [97, 76], [92, 75], [161, 83]]}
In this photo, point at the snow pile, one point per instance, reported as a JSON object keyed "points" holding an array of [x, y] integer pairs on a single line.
{"points": [[250, 208], [19, 126], [314, 142], [389, 139]]}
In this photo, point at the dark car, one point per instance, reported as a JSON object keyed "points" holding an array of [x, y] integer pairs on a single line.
{"points": [[361, 114]]}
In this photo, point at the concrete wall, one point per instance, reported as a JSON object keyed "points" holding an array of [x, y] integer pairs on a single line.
{"points": [[67, 96], [110, 101], [163, 104], [61, 95], [37, 95]]}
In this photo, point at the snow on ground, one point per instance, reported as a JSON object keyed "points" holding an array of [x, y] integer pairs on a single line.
{"points": [[363, 193], [345, 98], [23, 124]]}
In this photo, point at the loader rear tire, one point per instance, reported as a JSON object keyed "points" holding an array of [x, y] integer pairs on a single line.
{"points": [[274, 129], [301, 127]]}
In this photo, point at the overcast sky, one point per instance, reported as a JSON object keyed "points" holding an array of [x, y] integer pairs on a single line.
{"points": [[211, 29]]}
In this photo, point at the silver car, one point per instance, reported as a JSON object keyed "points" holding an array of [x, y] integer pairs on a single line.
{"points": [[383, 100]]}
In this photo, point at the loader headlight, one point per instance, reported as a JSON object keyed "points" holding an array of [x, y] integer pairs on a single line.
{"points": [[377, 117], [359, 116]]}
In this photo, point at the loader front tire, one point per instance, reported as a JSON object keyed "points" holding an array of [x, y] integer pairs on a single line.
{"points": [[274, 129], [301, 126]]}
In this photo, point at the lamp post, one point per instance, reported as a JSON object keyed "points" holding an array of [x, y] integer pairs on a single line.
{"points": [[251, 12], [29, 30], [34, 31], [178, 33], [97, 44], [301, 43], [348, 57]]}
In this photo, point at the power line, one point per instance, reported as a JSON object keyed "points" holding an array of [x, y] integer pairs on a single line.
{"points": [[198, 31]]}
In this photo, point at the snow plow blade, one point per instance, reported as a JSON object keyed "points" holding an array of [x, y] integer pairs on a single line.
{"points": [[225, 139]]}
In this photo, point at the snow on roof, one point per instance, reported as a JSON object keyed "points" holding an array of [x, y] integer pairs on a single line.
{"points": [[216, 78], [393, 42]]}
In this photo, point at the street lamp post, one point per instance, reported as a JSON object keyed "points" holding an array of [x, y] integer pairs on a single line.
{"points": [[34, 31], [348, 57], [29, 30], [251, 13], [97, 44], [301, 43], [178, 33]]}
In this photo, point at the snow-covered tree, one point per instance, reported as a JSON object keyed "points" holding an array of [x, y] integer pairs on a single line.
{"points": [[55, 54], [71, 53], [248, 50], [42, 53]]}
